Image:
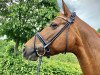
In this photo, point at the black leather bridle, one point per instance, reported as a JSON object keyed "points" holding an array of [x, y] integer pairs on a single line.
{"points": [[46, 45]]}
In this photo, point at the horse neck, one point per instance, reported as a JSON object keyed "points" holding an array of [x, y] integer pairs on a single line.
{"points": [[88, 53]]}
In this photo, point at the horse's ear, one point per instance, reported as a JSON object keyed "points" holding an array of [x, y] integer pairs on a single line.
{"points": [[65, 9]]}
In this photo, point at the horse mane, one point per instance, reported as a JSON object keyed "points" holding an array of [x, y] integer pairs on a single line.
{"points": [[89, 28]]}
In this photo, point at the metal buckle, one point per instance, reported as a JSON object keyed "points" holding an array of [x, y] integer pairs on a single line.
{"points": [[40, 55]]}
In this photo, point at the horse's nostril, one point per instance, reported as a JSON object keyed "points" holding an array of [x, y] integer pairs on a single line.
{"points": [[24, 52], [23, 49]]}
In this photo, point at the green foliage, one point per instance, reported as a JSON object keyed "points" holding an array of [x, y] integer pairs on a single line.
{"points": [[98, 30], [26, 17], [3, 7], [56, 65]]}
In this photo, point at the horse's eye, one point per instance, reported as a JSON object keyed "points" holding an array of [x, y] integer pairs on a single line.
{"points": [[54, 25]]}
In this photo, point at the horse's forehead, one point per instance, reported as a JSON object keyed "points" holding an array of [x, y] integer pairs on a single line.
{"points": [[59, 20]]}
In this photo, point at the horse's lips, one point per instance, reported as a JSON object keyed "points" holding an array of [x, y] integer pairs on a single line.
{"points": [[33, 57]]}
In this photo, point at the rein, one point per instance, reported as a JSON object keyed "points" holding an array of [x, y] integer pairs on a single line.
{"points": [[39, 64], [47, 45]]}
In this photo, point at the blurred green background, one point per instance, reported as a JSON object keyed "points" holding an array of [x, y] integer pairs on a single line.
{"points": [[62, 64]]}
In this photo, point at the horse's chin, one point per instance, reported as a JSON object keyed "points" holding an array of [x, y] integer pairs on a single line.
{"points": [[32, 57]]}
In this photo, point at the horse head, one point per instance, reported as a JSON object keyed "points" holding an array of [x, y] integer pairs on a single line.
{"points": [[49, 42]]}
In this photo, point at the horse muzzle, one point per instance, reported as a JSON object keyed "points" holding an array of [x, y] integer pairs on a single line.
{"points": [[29, 55]]}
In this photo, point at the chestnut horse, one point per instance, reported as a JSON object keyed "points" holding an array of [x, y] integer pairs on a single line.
{"points": [[79, 38], [99, 34]]}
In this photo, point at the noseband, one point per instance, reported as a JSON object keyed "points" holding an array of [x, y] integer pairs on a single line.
{"points": [[47, 45]]}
